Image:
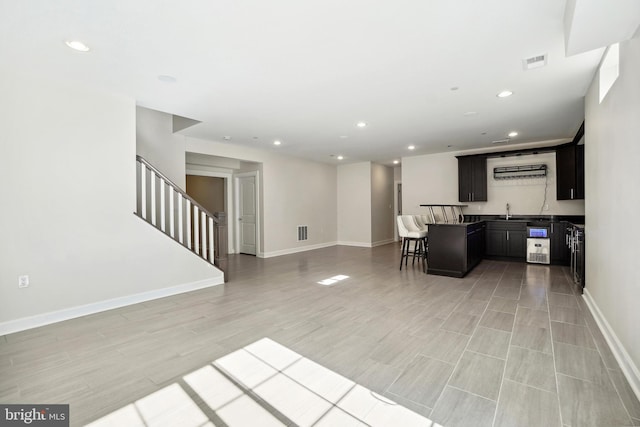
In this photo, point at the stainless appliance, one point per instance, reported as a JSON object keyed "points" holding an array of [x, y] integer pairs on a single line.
{"points": [[538, 245]]}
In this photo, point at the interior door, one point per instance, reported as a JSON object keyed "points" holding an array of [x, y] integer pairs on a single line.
{"points": [[247, 214]]}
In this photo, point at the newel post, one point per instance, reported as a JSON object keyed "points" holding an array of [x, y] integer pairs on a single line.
{"points": [[220, 243]]}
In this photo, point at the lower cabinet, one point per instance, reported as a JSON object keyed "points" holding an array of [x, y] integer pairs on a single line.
{"points": [[454, 249], [506, 239], [560, 252]]}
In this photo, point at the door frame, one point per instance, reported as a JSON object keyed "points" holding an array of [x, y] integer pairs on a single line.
{"points": [[228, 184], [397, 207], [236, 225]]}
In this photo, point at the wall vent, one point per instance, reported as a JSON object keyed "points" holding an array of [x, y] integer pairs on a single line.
{"points": [[534, 62], [302, 233], [501, 141]]}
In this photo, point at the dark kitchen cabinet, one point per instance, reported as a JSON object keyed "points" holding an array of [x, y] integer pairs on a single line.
{"points": [[517, 243], [496, 241], [475, 244], [454, 249], [560, 252], [570, 172], [472, 178], [506, 239]]}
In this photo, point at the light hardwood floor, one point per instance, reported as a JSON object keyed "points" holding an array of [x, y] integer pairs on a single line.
{"points": [[509, 345]]}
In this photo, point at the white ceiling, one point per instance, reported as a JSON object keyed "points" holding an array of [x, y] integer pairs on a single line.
{"points": [[305, 72]]}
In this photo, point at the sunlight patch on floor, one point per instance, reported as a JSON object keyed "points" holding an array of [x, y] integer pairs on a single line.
{"points": [[333, 280], [264, 383]]}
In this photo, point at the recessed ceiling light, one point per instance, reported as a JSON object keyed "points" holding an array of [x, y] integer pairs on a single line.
{"points": [[340, 157], [395, 162], [344, 136], [411, 147], [167, 79], [77, 45], [470, 113], [361, 124], [226, 138], [504, 94], [512, 134], [276, 142]]}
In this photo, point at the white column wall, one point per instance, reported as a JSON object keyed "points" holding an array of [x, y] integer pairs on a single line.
{"points": [[382, 216], [612, 152], [354, 204], [67, 164]]}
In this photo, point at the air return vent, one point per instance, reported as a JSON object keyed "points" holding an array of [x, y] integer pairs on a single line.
{"points": [[302, 233], [534, 62]]}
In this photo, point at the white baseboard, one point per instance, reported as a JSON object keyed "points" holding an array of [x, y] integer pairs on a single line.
{"points": [[356, 244], [382, 242], [294, 250], [628, 367], [97, 307]]}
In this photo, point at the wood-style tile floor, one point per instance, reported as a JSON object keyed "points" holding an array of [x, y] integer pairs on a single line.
{"points": [[509, 345]]}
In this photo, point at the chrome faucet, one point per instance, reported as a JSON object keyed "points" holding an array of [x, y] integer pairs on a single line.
{"points": [[508, 214]]}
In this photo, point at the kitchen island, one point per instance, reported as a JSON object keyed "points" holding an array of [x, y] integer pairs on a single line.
{"points": [[455, 249]]}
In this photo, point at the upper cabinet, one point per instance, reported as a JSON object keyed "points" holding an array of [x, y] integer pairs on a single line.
{"points": [[570, 169], [472, 179], [570, 172]]}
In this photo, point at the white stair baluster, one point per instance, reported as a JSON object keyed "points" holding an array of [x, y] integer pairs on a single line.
{"points": [[211, 254], [172, 225], [143, 191], [203, 235], [152, 190], [180, 224], [163, 206], [188, 224], [196, 230]]}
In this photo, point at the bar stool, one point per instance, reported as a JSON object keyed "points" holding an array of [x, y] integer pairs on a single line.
{"points": [[409, 230]]}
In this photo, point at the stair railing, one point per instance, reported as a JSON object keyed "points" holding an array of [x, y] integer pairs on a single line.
{"points": [[168, 208]]}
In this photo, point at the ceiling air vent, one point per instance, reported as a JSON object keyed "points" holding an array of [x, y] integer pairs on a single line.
{"points": [[534, 62], [501, 141]]}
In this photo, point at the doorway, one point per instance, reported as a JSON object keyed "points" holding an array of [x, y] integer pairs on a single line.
{"points": [[247, 221], [397, 201]]}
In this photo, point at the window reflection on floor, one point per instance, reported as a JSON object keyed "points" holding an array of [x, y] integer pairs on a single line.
{"points": [[266, 384]]}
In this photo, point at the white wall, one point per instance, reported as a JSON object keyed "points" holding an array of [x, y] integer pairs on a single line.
{"points": [[292, 192], [156, 142], [67, 163], [382, 217], [612, 153], [354, 204], [525, 196], [434, 179]]}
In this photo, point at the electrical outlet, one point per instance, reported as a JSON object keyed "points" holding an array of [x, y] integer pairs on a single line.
{"points": [[23, 281]]}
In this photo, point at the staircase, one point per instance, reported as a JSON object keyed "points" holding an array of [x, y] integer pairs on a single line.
{"points": [[166, 207]]}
